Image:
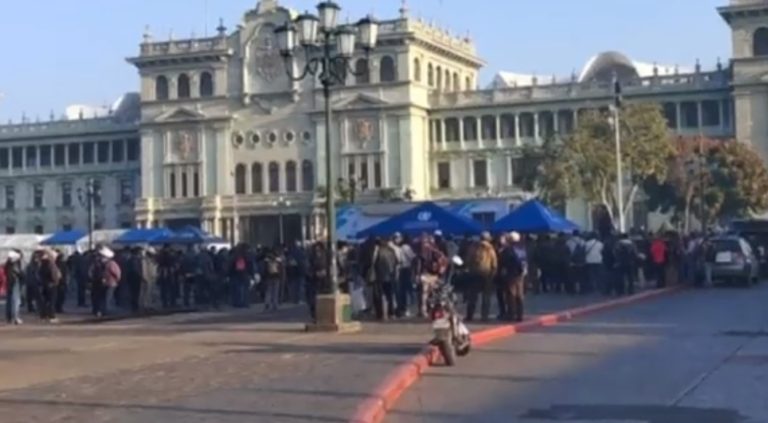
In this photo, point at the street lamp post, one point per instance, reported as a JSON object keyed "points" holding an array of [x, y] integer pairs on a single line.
{"points": [[280, 204], [619, 168], [328, 49], [86, 199]]}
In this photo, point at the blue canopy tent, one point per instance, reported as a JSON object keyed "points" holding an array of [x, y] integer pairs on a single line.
{"points": [[142, 236], [188, 235], [534, 217], [65, 237], [427, 217]]}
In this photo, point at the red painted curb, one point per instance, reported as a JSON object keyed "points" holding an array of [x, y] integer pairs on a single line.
{"points": [[384, 397]]}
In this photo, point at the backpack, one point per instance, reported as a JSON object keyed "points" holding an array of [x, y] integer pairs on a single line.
{"points": [[579, 256], [240, 264], [273, 267]]}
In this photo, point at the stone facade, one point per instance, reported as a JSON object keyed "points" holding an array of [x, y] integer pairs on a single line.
{"points": [[231, 142], [43, 166]]}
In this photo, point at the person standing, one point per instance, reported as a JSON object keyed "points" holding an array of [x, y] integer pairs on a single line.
{"points": [[385, 272], [240, 274], [14, 277], [273, 275], [659, 260], [593, 248], [512, 274], [577, 264], [63, 287], [166, 277], [318, 275], [626, 265], [32, 282], [106, 275], [405, 277], [50, 278], [482, 264], [431, 265], [148, 278], [191, 272]]}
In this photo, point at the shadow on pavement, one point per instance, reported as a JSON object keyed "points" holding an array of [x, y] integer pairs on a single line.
{"points": [[356, 348], [640, 413]]}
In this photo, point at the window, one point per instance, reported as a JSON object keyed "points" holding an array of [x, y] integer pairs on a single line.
{"points": [[172, 184], [126, 191], [45, 155], [257, 178], [488, 130], [17, 156], [10, 197], [417, 70], [468, 84], [161, 88], [10, 230], [59, 154], [118, 151], [126, 225], [291, 182], [88, 152], [66, 227], [451, 129], [351, 170], [102, 151], [97, 193], [387, 72], [760, 42], [206, 84], [39, 229], [456, 84], [444, 175], [274, 177], [183, 86], [184, 185], [430, 75], [134, 149], [526, 125], [447, 80], [240, 179], [66, 194], [37, 196], [439, 79], [689, 114], [480, 173], [508, 130], [4, 158], [377, 173], [31, 156], [364, 174], [307, 176], [98, 226], [710, 113], [74, 154], [196, 184], [470, 128], [521, 169], [362, 74]]}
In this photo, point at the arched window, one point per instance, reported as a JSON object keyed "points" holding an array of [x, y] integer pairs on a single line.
{"points": [[439, 80], [206, 84], [417, 70], [183, 86], [274, 177], [387, 69], [470, 128], [240, 179], [430, 75], [451, 129], [362, 74], [456, 84], [307, 176], [760, 42], [291, 183], [257, 178], [447, 80], [161, 88], [468, 84]]}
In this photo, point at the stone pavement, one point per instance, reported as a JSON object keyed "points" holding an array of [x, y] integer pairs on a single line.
{"points": [[218, 367]]}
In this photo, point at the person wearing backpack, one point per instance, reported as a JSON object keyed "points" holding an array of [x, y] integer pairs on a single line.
{"points": [[385, 272], [482, 264], [273, 276]]}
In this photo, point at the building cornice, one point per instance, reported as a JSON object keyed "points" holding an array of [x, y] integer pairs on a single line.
{"points": [[729, 13]]}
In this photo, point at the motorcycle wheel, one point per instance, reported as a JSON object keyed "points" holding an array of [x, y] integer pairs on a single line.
{"points": [[448, 352], [464, 351]]}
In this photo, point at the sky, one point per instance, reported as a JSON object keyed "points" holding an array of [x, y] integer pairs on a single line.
{"points": [[57, 53]]}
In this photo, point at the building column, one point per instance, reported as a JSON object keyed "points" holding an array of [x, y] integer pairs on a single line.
{"points": [[443, 142], [517, 130], [700, 115], [479, 125], [575, 118], [461, 133], [678, 117], [556, 124], [721, 112], [536, 135], [498, 131]]}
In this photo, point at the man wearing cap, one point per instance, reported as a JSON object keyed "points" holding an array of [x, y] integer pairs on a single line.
{"points": [[14, 279], [105, 274], [482, 264]]}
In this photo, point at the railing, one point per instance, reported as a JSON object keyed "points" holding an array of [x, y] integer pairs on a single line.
{"points": [[72, 125], [194, 45]]}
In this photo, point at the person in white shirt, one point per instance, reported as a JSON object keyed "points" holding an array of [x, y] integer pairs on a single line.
{"points": [[594, 258], [404, 287]]}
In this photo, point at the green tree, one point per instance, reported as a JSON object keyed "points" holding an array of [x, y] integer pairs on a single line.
{"points": [[585, 165], [740, 181]]}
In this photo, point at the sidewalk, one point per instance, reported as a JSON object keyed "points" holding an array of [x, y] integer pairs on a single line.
{"points": [[207, 367]]}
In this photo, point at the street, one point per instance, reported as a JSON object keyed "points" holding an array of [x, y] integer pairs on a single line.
{"points": [[693, 357]]}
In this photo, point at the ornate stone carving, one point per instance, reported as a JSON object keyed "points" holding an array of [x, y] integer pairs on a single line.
{"points": [[267, 56], [186, 145], [364, 130]]}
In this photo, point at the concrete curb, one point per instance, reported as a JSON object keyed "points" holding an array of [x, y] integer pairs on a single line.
{"points": [[375, 407]]}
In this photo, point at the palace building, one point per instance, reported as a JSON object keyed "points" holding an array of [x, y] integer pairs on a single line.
{"points": [[229, 142]]}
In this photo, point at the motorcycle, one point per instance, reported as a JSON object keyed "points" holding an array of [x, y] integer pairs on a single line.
{"points": [[451, 335]]}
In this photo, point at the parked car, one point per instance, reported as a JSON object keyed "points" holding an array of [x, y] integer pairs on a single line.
{"points": [[734, 261]]}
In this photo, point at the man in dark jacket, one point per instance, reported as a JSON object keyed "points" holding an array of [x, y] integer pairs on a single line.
{"points": [[242, 269], [50, 278], [385, 273], [482, 263], [318, 275], [626, 265], [512, 273]]}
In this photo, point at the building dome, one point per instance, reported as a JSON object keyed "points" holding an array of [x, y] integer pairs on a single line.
{"points": [[603, 67]]}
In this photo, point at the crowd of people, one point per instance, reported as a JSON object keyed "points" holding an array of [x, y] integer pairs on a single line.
{"points": [[388, 277]]}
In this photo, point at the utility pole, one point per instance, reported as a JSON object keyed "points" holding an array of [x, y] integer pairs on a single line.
{"points": [[617, 100]]}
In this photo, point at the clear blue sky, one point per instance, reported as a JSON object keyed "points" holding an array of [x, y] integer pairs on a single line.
{"points": [[63, 52]]}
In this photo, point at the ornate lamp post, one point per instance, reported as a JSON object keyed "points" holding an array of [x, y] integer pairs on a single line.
{"points": [[86, 199], [328, 49]]}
